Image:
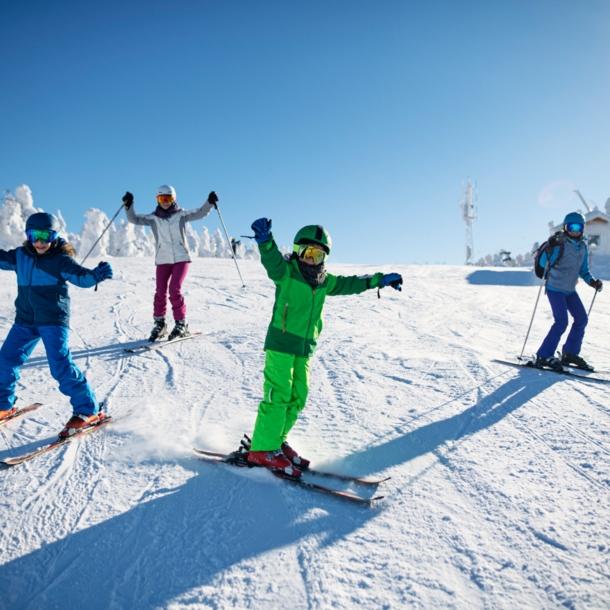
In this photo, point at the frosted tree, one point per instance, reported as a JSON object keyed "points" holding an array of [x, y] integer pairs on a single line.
{"points": [[94, 226], [130, 240], [14, 211], [223, 249], [207, 247], [192, 239]]}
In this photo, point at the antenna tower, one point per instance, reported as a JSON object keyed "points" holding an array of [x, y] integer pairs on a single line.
{"points": [[469, 213]]}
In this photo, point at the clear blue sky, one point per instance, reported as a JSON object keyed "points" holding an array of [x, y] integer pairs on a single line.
{"points": [[363, 116]]}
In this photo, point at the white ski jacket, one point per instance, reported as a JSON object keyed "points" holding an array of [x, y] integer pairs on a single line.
{"points": [[170, 234]]}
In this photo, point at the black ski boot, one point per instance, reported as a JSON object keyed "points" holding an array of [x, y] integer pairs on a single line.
{"points": [[548, 363], [159, 331], [575, 361], [180, 330]]}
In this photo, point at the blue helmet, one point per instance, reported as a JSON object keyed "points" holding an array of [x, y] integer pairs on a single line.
{"points": [[574, 217], [43, 221]]}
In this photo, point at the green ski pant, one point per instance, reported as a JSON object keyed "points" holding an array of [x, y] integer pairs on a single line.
{"points": [[286, 387]]}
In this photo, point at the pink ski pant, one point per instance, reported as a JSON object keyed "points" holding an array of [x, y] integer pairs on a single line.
{"points": [[172, 274]]}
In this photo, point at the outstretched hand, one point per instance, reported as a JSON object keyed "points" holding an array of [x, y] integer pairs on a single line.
{"points": [[128, 200], [262, 230], [213, 199], [392, 279], [102, 272]]}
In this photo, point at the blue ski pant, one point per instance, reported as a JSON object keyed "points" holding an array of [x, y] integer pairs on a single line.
{"points": [[16, 349], [561, 304]]}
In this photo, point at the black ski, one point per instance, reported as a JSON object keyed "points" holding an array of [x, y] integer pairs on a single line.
{"points": [[20, 413], [568, 373], [238, 458], [151, 347]]}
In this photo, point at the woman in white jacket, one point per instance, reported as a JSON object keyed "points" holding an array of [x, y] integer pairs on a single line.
{"points": [[172, 258]]}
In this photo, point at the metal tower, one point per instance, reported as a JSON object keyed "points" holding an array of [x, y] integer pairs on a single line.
{"points": [[469, 213]]}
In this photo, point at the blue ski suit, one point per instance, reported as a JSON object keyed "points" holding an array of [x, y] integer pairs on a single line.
{"points": [[563, 298], [43, 312]]}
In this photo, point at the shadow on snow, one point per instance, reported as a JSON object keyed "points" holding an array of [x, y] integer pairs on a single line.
{"points": [[487, 277]]}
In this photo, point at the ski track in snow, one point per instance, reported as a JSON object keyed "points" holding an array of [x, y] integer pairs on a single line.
{"points": [[500, 477]]}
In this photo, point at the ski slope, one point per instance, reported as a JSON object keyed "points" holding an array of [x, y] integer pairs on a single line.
{"points": [[500, 477]]}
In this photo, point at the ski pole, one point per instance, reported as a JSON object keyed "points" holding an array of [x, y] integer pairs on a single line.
{"points": [[102, 235], [542, 283], [229, 241], [592, 301]]}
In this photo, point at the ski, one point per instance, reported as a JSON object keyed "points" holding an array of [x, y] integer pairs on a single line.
{"points": [[575, 368], [20, 412], [529, 365], [322, 473], [151, 347], [246, 443], [60, 442], [238, 459]]}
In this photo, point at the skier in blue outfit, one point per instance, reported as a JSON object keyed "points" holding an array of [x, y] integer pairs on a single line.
{"points": [[44, 265], [565, 259]]}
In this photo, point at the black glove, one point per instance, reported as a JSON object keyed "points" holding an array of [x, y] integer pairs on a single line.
{"points": [[213, 199], [552, 243], [128, 200], [597, 284]]}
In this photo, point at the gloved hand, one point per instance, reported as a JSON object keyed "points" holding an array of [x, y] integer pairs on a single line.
{"points": [[597, 284], [128, 200], [262, 230], [552, 243], [102, 272], [392, 279], [213, 199]]}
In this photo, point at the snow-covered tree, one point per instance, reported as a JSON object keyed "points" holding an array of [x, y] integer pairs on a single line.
{"points": [[207, 247], [130, 240], [94, 226], [14, 211]]}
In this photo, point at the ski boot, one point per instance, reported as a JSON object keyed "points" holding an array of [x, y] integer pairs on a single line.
{"points": [[275, 460], [5, 414], [300, 462], [575, 361], [79, 421], [159, 330], [549, 363], [180, 330]]}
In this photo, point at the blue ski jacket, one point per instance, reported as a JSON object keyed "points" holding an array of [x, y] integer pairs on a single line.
{"points": [[574, 263], [42, 291]]}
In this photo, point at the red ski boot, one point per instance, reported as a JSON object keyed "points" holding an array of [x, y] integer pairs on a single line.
{"points": [[8, 413], [300, 462], [79, 421], [275, 460]]}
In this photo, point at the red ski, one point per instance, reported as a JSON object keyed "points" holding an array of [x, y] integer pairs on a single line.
{"points": [[60, 442], [20, 412], [239, 459]]}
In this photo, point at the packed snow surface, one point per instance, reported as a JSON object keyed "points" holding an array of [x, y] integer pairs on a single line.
{"points": [[500, 481]]}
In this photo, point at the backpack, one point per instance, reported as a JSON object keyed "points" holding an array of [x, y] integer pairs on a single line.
{"points": [[538, 268]]}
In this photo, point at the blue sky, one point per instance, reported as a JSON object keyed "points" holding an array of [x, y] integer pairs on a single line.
{"points": [[362, 116]]}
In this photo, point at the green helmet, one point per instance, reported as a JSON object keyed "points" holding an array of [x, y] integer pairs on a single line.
{"points": [[313, 234]]}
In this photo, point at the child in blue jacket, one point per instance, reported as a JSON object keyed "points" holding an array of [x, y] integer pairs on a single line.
{"points": [[567, 259], [44, 265]]}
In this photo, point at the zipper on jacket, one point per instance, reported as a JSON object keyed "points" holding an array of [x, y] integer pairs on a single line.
{"points": [[313, 298], [284, 318]]}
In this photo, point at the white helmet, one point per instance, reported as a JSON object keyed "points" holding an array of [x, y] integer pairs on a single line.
{"points": [[165, 189]]}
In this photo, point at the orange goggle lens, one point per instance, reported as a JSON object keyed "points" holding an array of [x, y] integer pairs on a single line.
{"points": [[319, 256], [165, 198]]}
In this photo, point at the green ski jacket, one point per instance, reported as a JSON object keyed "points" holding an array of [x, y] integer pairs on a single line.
{"points": [[297, 311]]}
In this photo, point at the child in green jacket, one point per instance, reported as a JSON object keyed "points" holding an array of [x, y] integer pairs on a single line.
{"points": [[302, 284]]}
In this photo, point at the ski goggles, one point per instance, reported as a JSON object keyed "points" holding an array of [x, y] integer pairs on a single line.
{"points": [[165, 199], [44, 235], [309, 251], [575, 227]]}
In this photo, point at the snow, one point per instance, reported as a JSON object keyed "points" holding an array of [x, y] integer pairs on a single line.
{"points": [[500, 477]]}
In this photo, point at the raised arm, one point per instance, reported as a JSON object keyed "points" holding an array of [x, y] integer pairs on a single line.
{"points": [[271, 257], [204, 210], [130, 212], [352, 284]]}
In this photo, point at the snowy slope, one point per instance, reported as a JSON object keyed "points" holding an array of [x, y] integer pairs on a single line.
{"points": [[500, 477]]}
